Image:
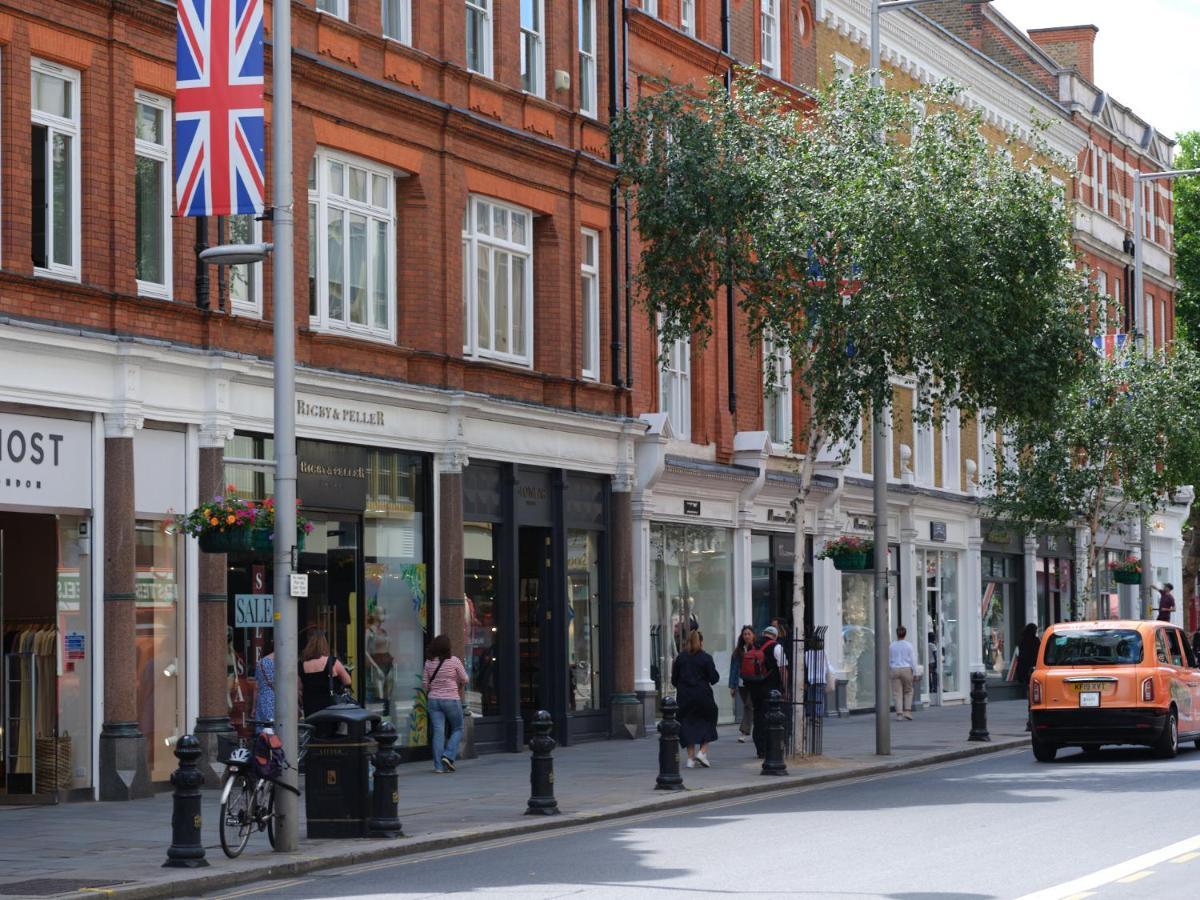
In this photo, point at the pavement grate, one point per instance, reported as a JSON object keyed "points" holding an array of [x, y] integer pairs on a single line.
{"points": [[48, 887]]}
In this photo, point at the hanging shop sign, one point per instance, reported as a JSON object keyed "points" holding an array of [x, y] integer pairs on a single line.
{"points": [[331, 476], [45, 462]]}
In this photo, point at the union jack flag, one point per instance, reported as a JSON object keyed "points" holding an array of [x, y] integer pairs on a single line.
{"points": [[1109, 345], [219, 107]]}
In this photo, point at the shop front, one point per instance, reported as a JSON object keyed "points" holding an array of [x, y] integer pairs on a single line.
{"points": [[773, 579], [537, 613], [367, 555], [859, 628], [1054, 570], [47, 571], [1002, 605]]}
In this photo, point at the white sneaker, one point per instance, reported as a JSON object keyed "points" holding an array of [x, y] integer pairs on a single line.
{"points": [[741, 739], [691, 764], [702, 758]]}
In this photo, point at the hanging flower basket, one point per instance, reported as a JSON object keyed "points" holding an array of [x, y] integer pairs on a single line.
{"points": [[233, 524], [853, 562], [1126, 577], [237, 540], [1127, 570]]}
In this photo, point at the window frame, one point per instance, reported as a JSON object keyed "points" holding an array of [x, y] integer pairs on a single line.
{"points": [[678, 370], [159, 153], [782, 395], [774, 67], [404, 8], [687, 20], [341, 8], [481, 8], [472, 238], [588, 86], [650, 7], [254, 271], [537, 67], [589, 280], [1103, 207], [323, 201], [71, 128], [1102, 292]]}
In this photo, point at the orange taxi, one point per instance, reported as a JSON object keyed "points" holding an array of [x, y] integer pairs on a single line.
{"points": [[1115, 682]]}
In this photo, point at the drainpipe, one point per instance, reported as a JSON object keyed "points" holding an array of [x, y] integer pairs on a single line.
{"points": [[628, 276], [729, 306], [614, 237]]}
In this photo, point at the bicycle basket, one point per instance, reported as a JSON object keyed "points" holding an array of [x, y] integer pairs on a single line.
{"points": [[225, 747]]}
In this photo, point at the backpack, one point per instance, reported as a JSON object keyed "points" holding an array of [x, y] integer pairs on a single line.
{"points": [[268, 760], [757, 662]]}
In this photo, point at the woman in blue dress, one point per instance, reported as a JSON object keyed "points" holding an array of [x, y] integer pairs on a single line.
{"points": [[264, 689]]}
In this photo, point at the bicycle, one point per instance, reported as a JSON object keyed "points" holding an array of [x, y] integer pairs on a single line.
{"points": [[247, 800]]}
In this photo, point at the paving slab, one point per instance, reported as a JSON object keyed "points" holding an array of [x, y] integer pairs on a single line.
{"points": [[117, 849]]}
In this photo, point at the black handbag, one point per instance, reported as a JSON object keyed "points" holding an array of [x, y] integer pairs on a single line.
{"points": [[339, 692]]}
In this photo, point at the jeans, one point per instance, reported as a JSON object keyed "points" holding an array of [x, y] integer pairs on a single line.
{"points": [[445, 714]]}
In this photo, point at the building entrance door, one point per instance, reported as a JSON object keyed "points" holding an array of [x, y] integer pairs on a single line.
{"points": [[535, 615]]}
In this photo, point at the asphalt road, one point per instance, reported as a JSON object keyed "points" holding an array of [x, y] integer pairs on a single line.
{"points": [[1118, 825]]}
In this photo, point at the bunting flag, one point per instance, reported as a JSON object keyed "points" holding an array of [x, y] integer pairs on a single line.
{"points": [[219, 126]]}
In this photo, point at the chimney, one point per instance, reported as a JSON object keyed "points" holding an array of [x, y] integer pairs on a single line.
{"points": [[1070, 46]]}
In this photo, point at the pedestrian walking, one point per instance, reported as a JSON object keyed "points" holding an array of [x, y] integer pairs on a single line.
{"points": [[739, 689], [320, 673], [443, 680], [1027, 651], [902, 660], [1166, 601], [764, 669], [693, 674], [264, 687]]}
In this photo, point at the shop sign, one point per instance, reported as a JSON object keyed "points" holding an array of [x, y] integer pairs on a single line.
{"points": [[339, 413], [332, 476], [691, 507], [253, 610], [45, 462], [937, 531]]}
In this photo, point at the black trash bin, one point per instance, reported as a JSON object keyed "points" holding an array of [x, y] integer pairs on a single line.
{"points": [[337, 800]]}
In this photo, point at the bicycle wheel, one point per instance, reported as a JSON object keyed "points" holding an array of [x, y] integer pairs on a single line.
{"points": [[268, 812], [236, 819]]}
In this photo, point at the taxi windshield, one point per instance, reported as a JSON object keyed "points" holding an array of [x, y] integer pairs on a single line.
{"points": [[1095, 647]]}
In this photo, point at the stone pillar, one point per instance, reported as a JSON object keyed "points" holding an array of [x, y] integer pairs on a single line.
{"points": [[213, 719], [1030, 560], [628, 714], [912, 602], [973, 588], [451, 578], [123, 771]]}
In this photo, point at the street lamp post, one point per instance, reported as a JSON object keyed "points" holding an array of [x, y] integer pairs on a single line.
{"points": [[1140, 315]]}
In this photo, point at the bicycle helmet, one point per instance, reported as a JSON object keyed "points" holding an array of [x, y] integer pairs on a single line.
{"points": [[240, 755]]}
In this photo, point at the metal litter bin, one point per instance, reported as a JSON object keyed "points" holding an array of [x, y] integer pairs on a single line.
{"points": [[337, 800]]}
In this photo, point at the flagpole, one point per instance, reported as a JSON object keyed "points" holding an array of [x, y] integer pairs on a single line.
{"points": [[286, 619]]}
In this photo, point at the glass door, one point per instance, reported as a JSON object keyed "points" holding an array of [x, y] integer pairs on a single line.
{"points": [[938, 582], [332, 562], [533, 609]]}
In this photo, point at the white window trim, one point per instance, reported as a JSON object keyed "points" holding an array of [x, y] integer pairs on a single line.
{"points": [[678, 370], [72, 128], [782, 365], [769, 10], [537, 65], [254, 309], [1149, 316], [687, 16], [485, 8], [843, 66], [471, 241], [405, 35], [319, 196], [650, 7], [341, 9], [587, 86], [160, 153], [590, 274]]}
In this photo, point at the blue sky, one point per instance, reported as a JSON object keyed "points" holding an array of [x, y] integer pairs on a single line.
{"points": [[1147, 55]]}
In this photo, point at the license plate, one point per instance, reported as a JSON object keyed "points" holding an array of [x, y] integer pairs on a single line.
{"points": [[1090, 687], [1089, 698]]}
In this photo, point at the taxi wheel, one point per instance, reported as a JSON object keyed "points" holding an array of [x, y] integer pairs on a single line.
{"points": [[1168, 745], [1044, 752]]}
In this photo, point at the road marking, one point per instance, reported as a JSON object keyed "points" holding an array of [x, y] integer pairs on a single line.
{"points": [[1187, 857], [1136, 876], [263, 888], [1119, 872], [1081, 895]]}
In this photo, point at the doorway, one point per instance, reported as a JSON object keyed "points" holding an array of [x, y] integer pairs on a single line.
{"points": [[535, 618], [331, 560]]}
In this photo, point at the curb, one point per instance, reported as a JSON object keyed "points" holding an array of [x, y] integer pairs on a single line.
{"points": [[206, 881]]}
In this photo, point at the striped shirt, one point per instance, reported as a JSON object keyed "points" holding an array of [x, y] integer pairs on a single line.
{"points": [[449, 677]]}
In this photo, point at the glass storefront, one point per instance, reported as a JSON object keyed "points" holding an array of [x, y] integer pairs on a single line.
{"points": [[482, 649], [1055, 599], [937, 583], [1105, 602], [1002, 613], [583, 619], [693, 583], [858, 630]]}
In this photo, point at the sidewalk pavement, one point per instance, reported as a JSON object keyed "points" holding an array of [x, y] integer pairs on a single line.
{"points": [[117, 849]]}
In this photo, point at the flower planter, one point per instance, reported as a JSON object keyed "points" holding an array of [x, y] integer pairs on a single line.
{"points": [[242, 540], [262, 540], [1127, 577], [852, 562]]}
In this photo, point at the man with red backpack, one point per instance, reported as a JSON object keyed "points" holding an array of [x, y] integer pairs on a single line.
{"points": [[764, 669]]}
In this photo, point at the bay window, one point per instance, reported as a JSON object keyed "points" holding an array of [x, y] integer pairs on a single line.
{"points": [[498, 281]]}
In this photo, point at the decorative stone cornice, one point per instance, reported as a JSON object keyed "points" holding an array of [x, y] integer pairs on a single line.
{"points": [[122, 424]]}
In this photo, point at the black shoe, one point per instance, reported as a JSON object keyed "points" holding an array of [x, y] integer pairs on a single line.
{"points": [[448, 763]]}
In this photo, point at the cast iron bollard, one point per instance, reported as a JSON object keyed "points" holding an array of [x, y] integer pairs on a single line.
{"points": [[773, 763], [979, 729], [385, 799], [186, 850], [541, 768], [668, 778]]}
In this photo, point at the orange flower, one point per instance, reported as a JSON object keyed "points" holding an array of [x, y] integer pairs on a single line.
{"points": [[213, 520], [230, 519]]}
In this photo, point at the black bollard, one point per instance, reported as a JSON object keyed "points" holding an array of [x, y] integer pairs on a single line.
{"points": [[668, 778], [186, 850], [979, 729], [385, 799], [541, 768], [774, 763]]}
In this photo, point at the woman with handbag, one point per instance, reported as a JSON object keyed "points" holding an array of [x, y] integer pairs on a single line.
{"points": [[318, 669], [443, 679]]}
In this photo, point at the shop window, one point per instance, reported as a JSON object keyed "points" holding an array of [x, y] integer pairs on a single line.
{"points": [[533, 52], [937, 590], [777, 393], [583, 620], [587, 57], [352, 259], [589, 293], [242, 474], [54, 167], [675, 388], [152, 195], [397, 20], [245, 281], [770, 37], [479, 36], [498, 282], [482, 637]]}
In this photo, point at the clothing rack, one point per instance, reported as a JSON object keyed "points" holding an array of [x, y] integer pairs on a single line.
{"points": [[21, 702]]}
